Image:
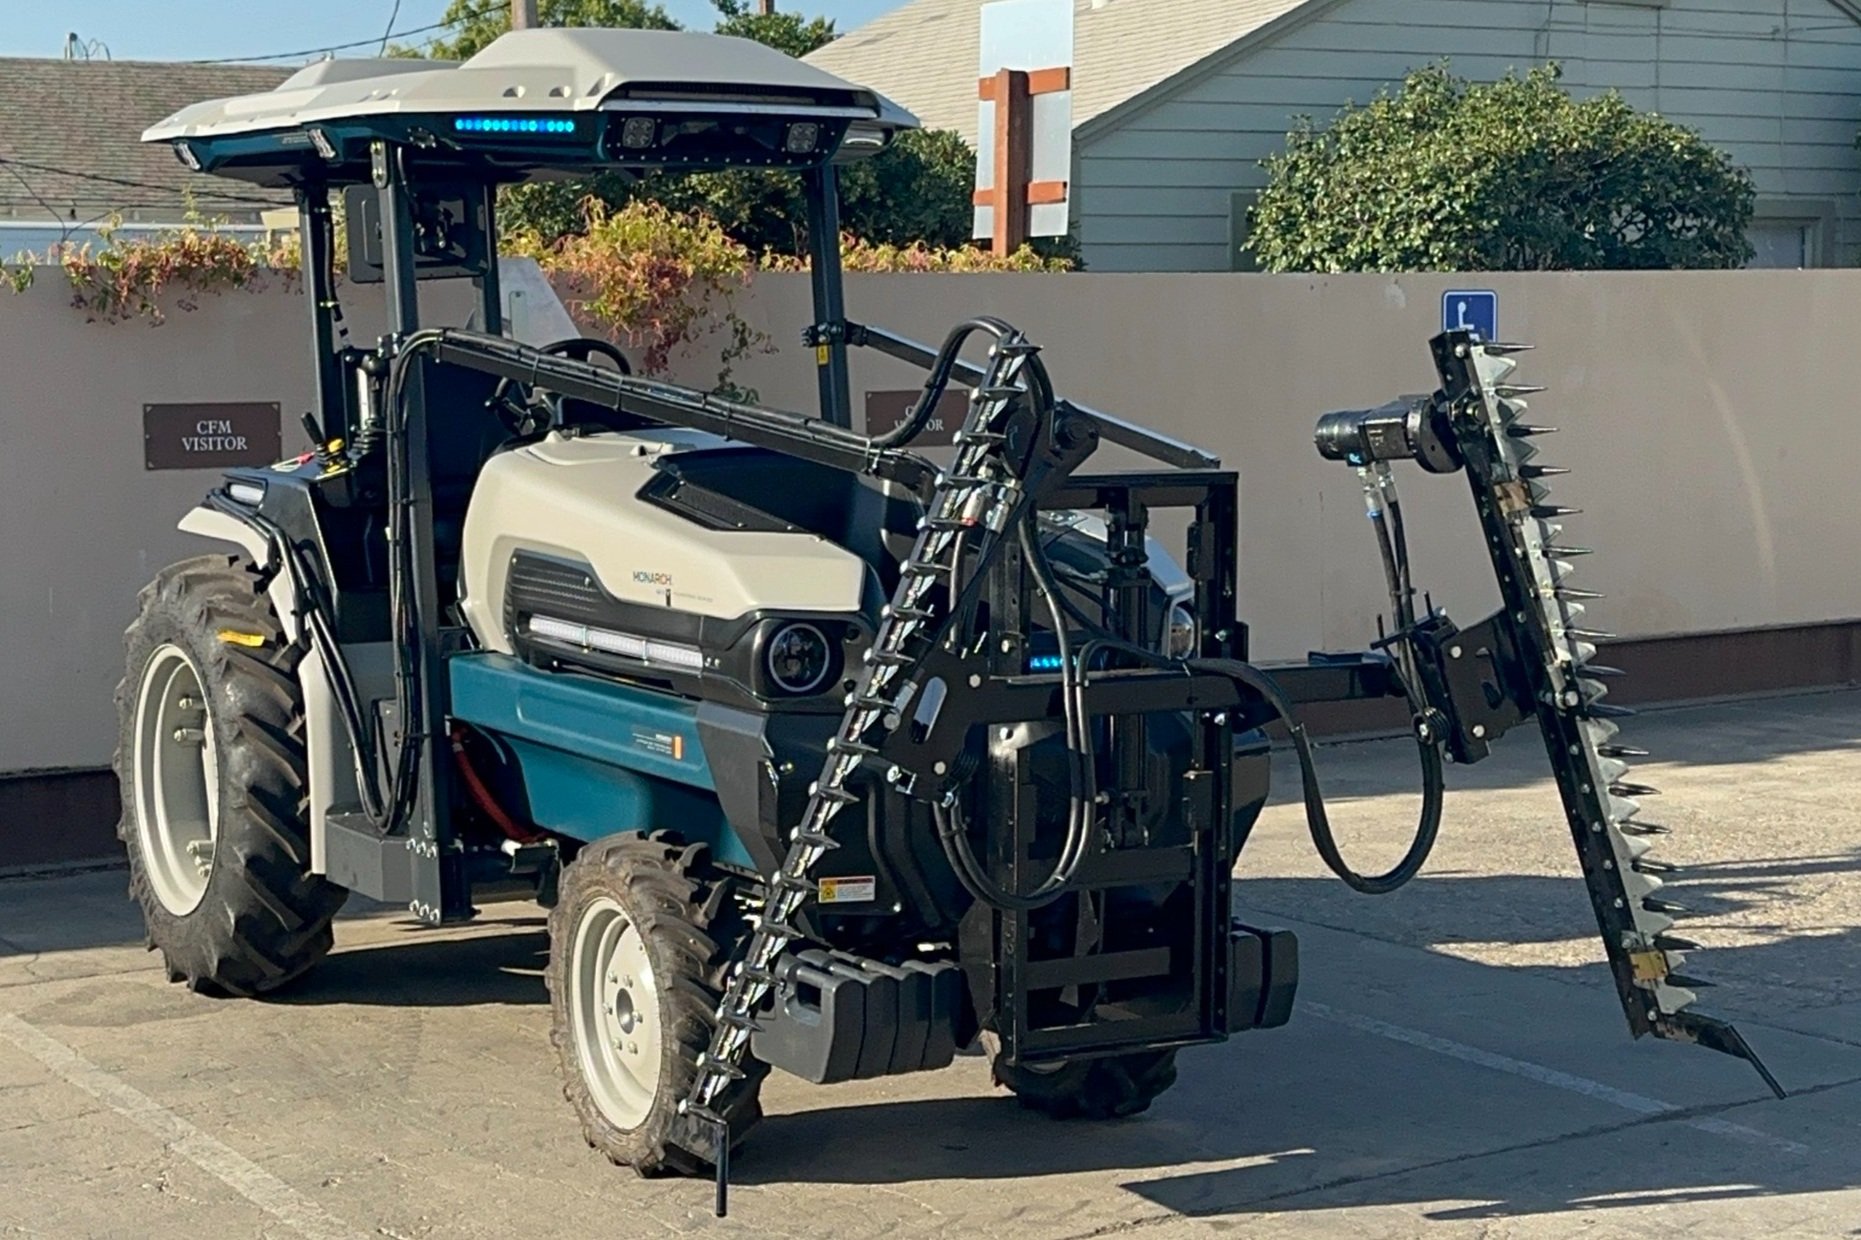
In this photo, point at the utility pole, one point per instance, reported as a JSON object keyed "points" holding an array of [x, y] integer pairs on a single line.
{"points": [[523, 15], [766, 7]]}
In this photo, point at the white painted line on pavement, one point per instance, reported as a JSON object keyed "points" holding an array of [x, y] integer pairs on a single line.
{"points": [[242, 1175], [1639, 1103]]}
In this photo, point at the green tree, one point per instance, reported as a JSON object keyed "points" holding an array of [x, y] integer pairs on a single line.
{"points": [[477, 22], [787, 32], [917, 190], [1515, 175], [920, 188]]}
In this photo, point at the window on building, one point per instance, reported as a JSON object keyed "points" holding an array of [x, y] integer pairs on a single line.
{"points": [[1787, 233], [1240, 258]]}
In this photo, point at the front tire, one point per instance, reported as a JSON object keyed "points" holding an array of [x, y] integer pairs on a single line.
{"points": [[639, 941], [1110, 1087], [210, 758]]}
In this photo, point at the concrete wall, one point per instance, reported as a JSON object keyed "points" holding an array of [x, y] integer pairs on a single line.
{"points": [[1775, 83], [82, 523], [1709, 419]]}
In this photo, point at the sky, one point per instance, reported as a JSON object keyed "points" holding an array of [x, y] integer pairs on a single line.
{"points": [[214, 29]]}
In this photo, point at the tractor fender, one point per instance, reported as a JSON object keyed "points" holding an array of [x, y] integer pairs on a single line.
{"points": [[326, 748], [225, 527]]}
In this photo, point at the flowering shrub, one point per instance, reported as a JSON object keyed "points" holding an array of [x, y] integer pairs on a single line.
{"points": [[650, 277], [125, 278], [864, 256]]}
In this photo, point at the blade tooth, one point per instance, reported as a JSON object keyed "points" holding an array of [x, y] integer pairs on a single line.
{"points": [[1599, 669], [1667, 908], [1564, 553], [1621, 809], [1684, 982], [1651, 866], [1612, 769], [1590, 635], [1541, 471], [1633, 790], [1572, 592], [1648, 922], [1621, 751], [1635, 847], [1583, 652], [1640, 887], [1560, 569], [1671, 999], [1573, 611], [1673, 943], [1599, 731], [1643, 828], [1492, 369], [1603, 710], [1511, 410], [1546, 511], [1509, 390], [1499, 348], [1593, 690], [1547, 530], [1535, 490], [1520, 430]]}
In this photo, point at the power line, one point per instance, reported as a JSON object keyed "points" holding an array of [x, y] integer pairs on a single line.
{"points": [[343, 47], [9, 162], [389, 32]]}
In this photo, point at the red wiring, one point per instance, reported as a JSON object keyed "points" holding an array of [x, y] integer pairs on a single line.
{"points": [[481, 795]]}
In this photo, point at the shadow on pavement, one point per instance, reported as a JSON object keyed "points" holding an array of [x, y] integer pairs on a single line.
{"points": [[1751, 732], [1300, 1149], [418, 969]]}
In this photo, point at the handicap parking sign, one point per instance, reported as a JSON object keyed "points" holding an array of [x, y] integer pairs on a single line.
{"points": [[1474, 310]]}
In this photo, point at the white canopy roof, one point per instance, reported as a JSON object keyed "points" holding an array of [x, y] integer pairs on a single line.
{"points": [[549, 69]]}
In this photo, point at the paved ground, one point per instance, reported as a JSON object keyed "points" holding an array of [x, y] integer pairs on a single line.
{"points": [[1457, 1067]]}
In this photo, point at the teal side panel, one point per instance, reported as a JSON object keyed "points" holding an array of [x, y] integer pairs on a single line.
{"points": [[596, 758]]}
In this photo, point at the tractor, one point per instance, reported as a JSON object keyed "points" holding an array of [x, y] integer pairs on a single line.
{"points": [[825, 751]]}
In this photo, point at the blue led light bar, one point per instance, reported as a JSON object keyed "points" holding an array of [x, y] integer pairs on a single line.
{"points": [[1043, 663], [513, 124]]}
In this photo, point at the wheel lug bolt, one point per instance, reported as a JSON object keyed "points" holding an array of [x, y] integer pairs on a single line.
{"points": [[190, 736]]}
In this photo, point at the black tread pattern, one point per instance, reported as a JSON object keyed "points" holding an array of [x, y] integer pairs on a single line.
{"points": [[1108, 1088], [683, 911], [265, 918]]}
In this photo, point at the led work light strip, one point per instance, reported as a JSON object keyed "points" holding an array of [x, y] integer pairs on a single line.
{"points": [[512, 124], [624, 644]]}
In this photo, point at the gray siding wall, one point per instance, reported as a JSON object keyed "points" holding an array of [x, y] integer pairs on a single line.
{"points": [[1776, 83]]}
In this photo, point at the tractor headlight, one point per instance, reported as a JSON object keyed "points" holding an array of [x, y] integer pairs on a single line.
{"points": [[639, 132], [1182, 639], [802, 138], [798, 658]]}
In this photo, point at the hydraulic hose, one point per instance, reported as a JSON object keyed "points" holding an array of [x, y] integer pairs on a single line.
{"points": [[1316, 820], [939, 379]]}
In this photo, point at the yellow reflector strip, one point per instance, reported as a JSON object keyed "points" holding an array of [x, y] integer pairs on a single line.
{"points": [[233, 637]]}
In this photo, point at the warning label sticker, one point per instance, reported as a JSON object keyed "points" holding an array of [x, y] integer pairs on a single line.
{"points": [[666, 744], [853, 889]]}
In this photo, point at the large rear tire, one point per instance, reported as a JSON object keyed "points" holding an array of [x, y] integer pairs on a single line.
{"points": [[1111, 1087], [639, 944], [210, 757]]}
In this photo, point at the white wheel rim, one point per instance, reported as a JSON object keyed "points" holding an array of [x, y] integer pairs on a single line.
{"points": [[176, 775], [614, 1013]]}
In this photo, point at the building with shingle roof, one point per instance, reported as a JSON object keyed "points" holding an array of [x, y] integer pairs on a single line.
{"points": [[1175, 102], [71, 154]]}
